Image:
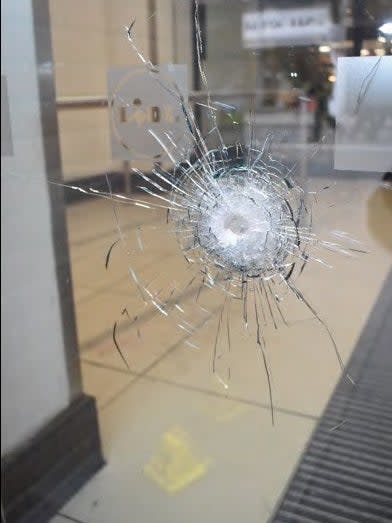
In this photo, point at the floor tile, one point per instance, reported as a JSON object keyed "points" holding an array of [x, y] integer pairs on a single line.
{"points": [[87, 219], [301, 362], [301, 357], [102, 383], [88, 266], [142, 342], [143, 333], [95, 317], [249, 460]]}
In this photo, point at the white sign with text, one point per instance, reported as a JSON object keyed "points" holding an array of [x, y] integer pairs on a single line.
{"points": [[363, 140], [280, 27], [140, 102]]}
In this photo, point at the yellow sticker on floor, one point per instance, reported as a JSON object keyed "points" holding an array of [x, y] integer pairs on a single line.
{"points": [[175, 465]]}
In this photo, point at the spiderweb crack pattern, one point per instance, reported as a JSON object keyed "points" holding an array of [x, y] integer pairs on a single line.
{"points": [[242, 221]]}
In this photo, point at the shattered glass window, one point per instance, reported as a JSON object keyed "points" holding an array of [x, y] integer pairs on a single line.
{"points": [[203, 191]]}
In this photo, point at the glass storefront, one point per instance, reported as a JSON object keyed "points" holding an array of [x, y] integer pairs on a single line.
{"points": [[196, 237]]}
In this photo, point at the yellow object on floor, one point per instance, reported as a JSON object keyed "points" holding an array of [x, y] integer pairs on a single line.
{"points": [[174, 466]]}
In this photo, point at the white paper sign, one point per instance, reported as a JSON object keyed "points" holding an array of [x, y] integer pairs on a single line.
{"points": [[139, 102], [280, 27], [363, 92]]}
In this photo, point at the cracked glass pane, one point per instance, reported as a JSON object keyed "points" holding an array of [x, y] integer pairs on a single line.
{"points": [[197, 211]]}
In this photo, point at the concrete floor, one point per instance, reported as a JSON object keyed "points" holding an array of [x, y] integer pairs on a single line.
{"points": [[179, 447]]}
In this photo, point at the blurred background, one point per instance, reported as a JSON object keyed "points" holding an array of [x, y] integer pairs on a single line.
{"points": [[83, 438]]}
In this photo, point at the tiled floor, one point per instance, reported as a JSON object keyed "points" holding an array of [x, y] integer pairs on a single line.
{"points": [[171, 407]]}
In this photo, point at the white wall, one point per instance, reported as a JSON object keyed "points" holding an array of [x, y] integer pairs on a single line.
{"points": [[34, 383], [89, 37]]}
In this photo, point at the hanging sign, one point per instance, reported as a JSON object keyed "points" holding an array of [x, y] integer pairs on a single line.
{"points": [[282, 27]]}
